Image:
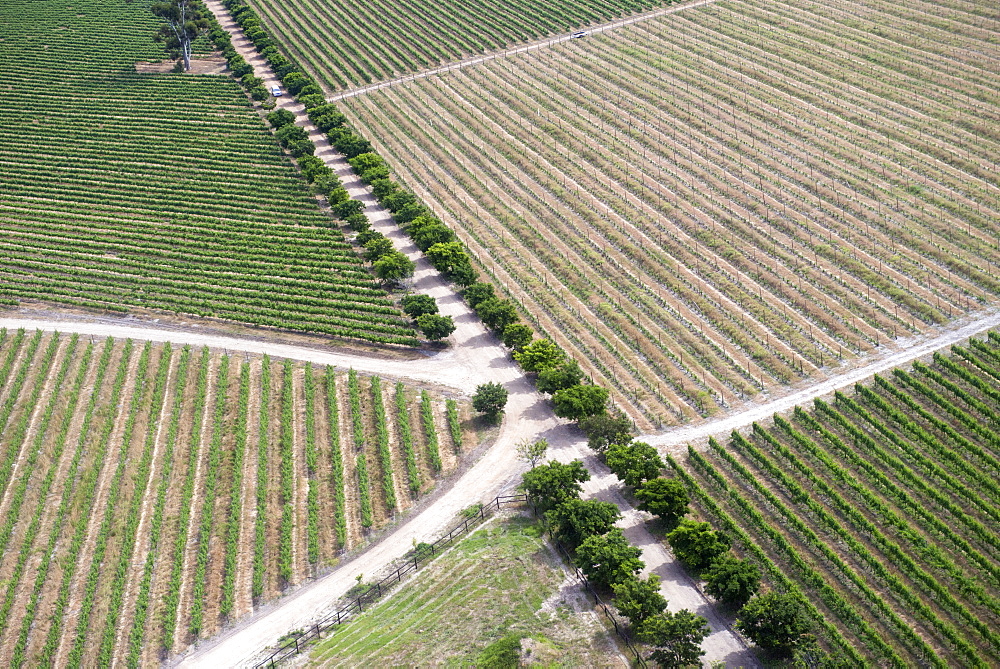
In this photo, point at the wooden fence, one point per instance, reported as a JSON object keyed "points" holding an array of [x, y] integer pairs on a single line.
{"points": [[377, 590]]}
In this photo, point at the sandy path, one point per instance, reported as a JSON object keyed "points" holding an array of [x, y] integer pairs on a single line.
{"points": [[476, 357], [531, 46], [895, 354], [679, 588]]}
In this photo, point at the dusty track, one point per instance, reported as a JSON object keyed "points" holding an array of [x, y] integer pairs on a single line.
{"points": [[531, 46], [475, 357], [528, 416]]}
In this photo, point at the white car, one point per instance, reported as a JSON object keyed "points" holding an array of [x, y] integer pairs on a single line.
{"points": [[276, 91], [578, 34]]}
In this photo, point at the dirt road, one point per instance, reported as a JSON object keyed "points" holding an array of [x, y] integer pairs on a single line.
{"points": [[475, 357], [524, 48], [478, 357], [896, 354]]}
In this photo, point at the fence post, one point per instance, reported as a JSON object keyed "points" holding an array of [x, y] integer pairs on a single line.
{"points": [[498, 502], [359, 604], [379, 586], [296, 645], [482, 512], [317, 630]]}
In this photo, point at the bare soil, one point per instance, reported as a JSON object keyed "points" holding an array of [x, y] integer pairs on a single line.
{"points": [[205, 65]]}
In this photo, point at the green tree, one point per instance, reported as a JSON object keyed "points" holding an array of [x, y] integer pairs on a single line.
{"points": [[552, 484], [497, 314], [490, 399], [435, 327], [634, 462], [344, 209], [185, 20], [429, 235], [379, 247], [516, 335], [731, 580], [638, 600], [609, 558], [776, 621], [366, 161], [382, 188], [532, 452], [538, 355], [279, 118], [450, 259], [565, 375], [394, 267], [604, 429], [478, 292], [367, 235], [416, 306], [580, 401], [666, 498], [696, 544], [576, 519], [676, 638], [289, 133]]}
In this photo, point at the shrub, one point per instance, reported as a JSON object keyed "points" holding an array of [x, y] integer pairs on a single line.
{"points": [[696, 544], [554, 379], [638, 600], [490, 399], [435, 327], [776, 621], [279, 118], [415, 306], [608, 559], [604, 429], [731, 580], [516, 335], [553, 483], [666, 498], [539, 355], [580, 401], [634, 462]]}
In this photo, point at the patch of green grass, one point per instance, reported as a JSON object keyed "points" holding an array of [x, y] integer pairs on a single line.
{"points": [[492, 586]]}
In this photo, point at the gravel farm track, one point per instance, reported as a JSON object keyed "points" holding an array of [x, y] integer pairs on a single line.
{"points": [[475, 356]]}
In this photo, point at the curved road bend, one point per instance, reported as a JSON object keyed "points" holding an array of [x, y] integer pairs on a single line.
{"points": [[475, 357]]}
